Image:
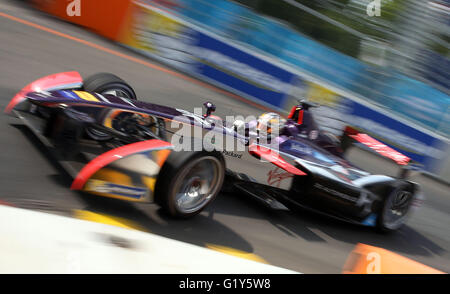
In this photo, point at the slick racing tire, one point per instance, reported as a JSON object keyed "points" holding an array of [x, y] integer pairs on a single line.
{"points": [[106, 83], [188, 182], [395, 208]]}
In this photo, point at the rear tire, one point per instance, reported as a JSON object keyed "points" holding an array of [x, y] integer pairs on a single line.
{"points": [[395, 208], [188, 182], [106, 83]]}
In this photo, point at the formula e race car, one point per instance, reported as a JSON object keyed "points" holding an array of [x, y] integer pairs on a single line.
{"points": [[116, 146]]}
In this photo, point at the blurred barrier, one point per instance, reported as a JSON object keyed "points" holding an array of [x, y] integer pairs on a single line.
{"points": [[212, 55], [365, 259]]}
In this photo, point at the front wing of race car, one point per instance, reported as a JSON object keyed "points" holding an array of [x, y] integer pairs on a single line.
{"points": [[127, 172]]}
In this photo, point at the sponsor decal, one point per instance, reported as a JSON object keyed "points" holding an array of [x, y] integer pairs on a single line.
{"points": [[232, 154], [110, 188], [68, 94]]}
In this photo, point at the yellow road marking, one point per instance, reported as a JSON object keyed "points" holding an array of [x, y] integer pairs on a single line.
{"points": [[108, 219], [235, 252], [124, 223]]}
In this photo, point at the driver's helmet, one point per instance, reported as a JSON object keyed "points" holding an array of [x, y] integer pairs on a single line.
{"points": [[269, 124]]}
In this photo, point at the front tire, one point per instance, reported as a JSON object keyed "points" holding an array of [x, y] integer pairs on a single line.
{"points": [[188, 182]]}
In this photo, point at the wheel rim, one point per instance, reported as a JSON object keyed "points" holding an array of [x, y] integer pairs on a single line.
{"points": [[397, 208], [197, 184]]}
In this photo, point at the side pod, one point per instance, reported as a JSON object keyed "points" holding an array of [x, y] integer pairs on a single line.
{"points": [[128, 172]]}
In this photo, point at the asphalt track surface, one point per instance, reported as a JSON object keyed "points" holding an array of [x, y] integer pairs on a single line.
{"points": [[299, 241]]}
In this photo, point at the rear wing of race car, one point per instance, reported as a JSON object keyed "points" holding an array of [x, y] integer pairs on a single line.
{"points": [[351, 135]]}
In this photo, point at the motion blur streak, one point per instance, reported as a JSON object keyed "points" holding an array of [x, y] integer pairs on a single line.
{"points": [[133, 59]]}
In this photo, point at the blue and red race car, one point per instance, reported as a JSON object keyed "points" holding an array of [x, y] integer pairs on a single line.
{"points": [[117, 146]]}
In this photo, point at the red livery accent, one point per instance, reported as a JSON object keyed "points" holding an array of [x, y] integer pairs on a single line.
{"points": [[300, 117], [45, 84], [294, 110], [275, 158], [377, 146], [291, 114], [106, 158]]}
